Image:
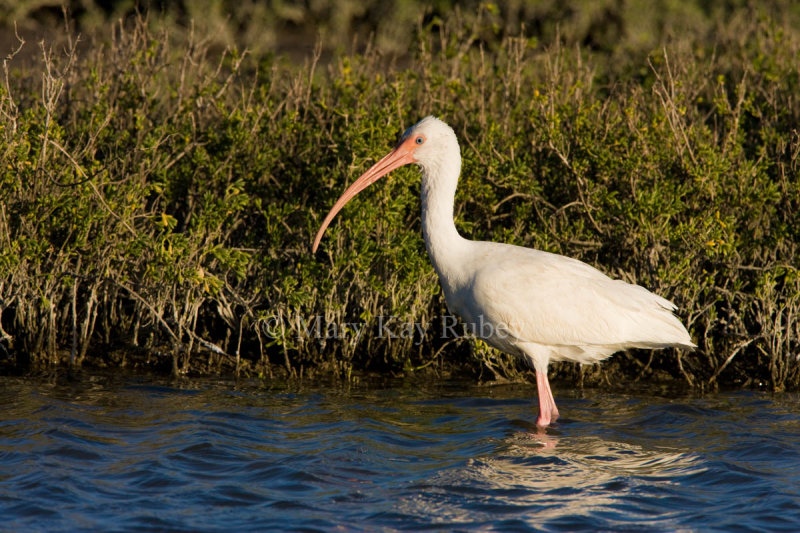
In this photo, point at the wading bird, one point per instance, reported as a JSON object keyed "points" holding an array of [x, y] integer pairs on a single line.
{"points": [[533, 304]]}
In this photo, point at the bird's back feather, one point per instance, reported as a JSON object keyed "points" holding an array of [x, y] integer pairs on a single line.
{"points": [[562, 305]]}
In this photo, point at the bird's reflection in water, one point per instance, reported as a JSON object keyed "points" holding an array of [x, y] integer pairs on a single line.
{"points": [[537, 474], [544, 438]]}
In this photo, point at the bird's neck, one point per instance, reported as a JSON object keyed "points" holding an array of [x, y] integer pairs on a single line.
{"points": [[445, 246]]}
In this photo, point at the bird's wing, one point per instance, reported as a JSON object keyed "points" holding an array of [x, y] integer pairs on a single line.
{"points": [[551, 299]]}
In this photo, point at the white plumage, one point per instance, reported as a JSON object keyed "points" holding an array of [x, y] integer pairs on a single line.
{"points": [[533, 304]]}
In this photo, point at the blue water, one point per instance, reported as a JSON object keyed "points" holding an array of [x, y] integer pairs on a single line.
{"points": [[129, 454]]}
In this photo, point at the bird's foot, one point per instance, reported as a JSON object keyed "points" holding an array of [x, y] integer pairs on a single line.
{"points": [[545, 418]]}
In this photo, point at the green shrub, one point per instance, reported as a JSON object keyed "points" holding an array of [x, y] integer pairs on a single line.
{"points": [[159, 195]]}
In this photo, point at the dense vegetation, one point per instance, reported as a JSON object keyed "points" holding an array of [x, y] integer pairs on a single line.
{"points": [[159, 187]]}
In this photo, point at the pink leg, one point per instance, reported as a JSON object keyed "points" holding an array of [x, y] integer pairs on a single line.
{"points": [[548, 411]]}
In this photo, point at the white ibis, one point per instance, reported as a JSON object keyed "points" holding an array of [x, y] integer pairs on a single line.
{"points": [[533, 304]]}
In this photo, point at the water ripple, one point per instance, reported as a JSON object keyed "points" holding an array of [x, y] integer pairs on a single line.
{"points": [[124, 454]]}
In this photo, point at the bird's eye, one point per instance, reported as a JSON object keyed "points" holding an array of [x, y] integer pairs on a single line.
{"points": [[420, 140]]}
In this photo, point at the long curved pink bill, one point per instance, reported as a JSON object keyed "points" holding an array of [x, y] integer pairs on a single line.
{"points": [[402, 155]]}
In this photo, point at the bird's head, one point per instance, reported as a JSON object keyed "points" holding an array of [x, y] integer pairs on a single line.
{"points": [[430, 139], [426, 143]]}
